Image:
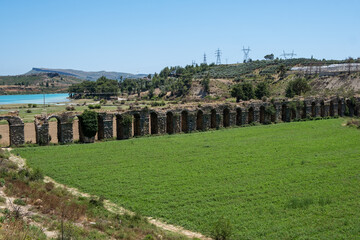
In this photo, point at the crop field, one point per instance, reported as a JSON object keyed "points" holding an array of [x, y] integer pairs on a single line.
{"points": [[296, 180]]}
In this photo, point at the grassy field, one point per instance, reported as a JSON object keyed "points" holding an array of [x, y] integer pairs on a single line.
{"points": [[286, 181]]}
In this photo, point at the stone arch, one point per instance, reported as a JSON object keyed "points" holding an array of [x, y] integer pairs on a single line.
{"points": [[322, 109], [238, 116], [213, 122], [169, 123], [283, 112], [313, 109], [262, 114], [293, 113], [16, 130], [105, 125], [119, 127], [55, 133], [184, 121], [251, 115], [200, 120], [136, 125], [226, 117], [332, 112], [154, 123]]}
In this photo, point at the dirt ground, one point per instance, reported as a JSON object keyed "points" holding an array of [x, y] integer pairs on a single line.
{"points": [[30, 136]]}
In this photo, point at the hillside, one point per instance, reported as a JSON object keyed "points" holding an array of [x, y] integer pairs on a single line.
{"points": [[43, 82], [91, 76], [324, 77]]}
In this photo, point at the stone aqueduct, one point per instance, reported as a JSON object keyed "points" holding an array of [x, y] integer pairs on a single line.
{"points": [[161, 121]]}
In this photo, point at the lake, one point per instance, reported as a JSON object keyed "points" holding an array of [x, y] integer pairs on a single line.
{"points": [[34, 98]]}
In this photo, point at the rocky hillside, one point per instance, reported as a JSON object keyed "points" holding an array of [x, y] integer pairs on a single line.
{"points": [[33, 83]]}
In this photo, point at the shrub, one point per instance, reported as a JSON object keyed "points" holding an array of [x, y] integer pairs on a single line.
{"points": [[70, 108], [19, 202], [222, 229], [297, 87], [28, 111], [97, 106], [36, 175], [126, 120], [89, 123], [90, 106], [262, 90], [2, 182], [103, 101]]}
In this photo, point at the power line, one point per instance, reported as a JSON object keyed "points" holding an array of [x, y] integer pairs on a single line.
{"points": [[218, 56], [246, 53], [285, 55]]}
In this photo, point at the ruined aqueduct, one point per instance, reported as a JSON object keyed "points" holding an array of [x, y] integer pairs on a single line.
{"points": [[151, 121]]}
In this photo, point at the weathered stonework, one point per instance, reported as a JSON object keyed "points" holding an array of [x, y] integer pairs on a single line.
{"points": [[143, 121]]}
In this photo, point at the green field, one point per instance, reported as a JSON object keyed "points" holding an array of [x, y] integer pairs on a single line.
{"points": [[286, 181]]}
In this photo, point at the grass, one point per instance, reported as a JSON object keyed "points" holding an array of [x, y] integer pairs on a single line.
{"points": [[285, 181]]}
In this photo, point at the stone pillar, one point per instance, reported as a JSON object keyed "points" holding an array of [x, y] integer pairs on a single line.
{"points": [[256, 114], [105, 126], [326, 109], [42, 133], [232, 118], [144, 123], [336, 112], [191, 121], [66, 132], [17, 135], [317, 110], [244, 116], [308, 112], [162, 123], [206, 121], [176, 122], [278, 112], [298, 113]]}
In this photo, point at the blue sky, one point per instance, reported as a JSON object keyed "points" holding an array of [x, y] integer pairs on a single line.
{"points": [[145, 36]]}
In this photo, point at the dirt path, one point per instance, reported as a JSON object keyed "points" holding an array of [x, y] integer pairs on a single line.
{"points": [[112, 207]]}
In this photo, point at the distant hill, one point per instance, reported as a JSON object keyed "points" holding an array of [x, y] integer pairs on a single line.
{"points": [[92, 76]]}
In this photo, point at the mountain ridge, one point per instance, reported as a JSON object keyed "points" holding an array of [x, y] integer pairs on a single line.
{"points": [[86, 75]]}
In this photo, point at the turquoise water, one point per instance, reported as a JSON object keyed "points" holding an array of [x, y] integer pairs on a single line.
{"points": [[34, 98]]}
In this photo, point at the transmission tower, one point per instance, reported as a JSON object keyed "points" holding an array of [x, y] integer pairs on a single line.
{"points": [[193, 63], [286, 55], [204, 59], [246, 53], [218, 56]]}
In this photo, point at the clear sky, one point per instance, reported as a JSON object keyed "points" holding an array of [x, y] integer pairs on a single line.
{"points": [[145, 36]]}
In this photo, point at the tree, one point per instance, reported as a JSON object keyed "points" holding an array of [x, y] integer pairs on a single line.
{"points": [[237, 92], [248, 91], [89, 123], [262, 89], [243, 91], [269, 57], [297, 87], [281, 70]]}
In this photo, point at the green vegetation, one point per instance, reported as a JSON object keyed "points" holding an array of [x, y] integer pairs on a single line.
{"points": [[286, 181], [102, 88], [55, 208], [297, 87], [89, 123]]}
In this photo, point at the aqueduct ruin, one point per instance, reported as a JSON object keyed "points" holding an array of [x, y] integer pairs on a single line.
{"points": [[133, 123]]}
